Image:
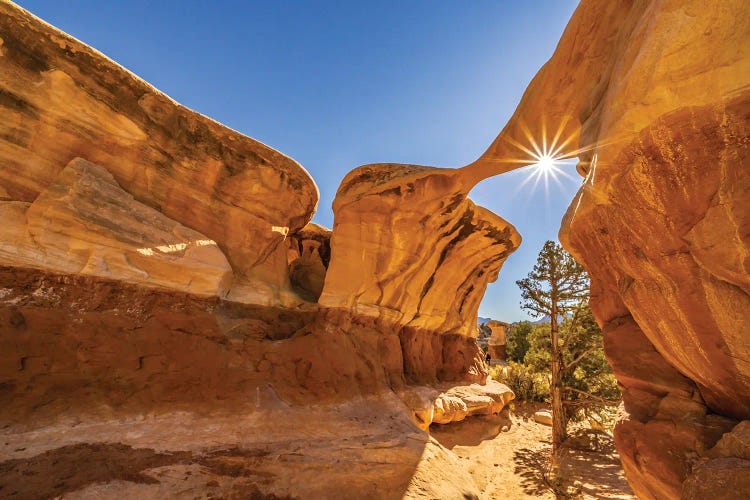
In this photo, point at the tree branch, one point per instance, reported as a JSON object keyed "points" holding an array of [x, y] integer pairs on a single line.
{"points": [[592, 396], [580, 357]]}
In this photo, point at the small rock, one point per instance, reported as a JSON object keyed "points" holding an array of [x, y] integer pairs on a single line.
{"points": [[543, 417]]}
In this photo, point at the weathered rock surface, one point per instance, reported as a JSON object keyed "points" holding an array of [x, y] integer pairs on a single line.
{"points": [[253, 451], [308, 255], [543, 417], [654, 99], [497, 341], [61, 99], [380, 269], [428, 287], [460, 402], [722, 479], [435, 405], [735, 443], [84, 223]]}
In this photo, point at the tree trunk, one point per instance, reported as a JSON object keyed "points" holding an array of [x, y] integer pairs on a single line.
{"points": [[559, 422]]}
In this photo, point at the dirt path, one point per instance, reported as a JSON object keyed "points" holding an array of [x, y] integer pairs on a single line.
{"points": [[507, 456]]}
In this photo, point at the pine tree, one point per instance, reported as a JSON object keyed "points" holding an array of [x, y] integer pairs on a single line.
{"points": [[555, 288]]}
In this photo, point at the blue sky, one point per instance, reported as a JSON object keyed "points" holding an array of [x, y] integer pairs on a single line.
{"points": [[336, 85]]}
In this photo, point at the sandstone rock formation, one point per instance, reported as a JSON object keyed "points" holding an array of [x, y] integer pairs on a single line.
{"points": [[379, 270], [308, 257], [459, 402], [652, 96], [84, 223], [654, 99], [61, 99], [443, 405], [158, 271], [496, 344]]}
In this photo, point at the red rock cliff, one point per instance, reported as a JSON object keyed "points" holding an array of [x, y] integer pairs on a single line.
{"points": [[656, 94]]}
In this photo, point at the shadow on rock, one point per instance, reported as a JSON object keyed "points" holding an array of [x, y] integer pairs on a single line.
{"points": [[71, 468]]}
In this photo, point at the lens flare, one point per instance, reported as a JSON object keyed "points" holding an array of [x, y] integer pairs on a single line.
{"points": [[545, 163]]}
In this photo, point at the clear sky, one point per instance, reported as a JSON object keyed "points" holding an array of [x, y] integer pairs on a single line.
{"points": [[336, 85]]}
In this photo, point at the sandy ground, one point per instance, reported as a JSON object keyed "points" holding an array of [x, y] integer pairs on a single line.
{"points": [[507, 457], [366, 448]]}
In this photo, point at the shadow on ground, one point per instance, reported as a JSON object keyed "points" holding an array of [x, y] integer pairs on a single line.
{"points": [[472, 431], [588, 465]]}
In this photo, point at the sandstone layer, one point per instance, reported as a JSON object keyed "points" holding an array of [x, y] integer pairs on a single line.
{"points": [[428, 286], [498, 340], [61, 99], [653, 97], [84, 223], [167, 309]]}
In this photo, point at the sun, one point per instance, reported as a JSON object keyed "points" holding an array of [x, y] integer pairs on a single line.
{"points": [[546, 163]]}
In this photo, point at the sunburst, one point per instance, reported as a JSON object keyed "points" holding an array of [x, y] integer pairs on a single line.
{"points": [[550, 159]]}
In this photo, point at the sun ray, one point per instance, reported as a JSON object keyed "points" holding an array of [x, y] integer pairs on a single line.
{"points": [[559, 132], [521, 147], [551, 164], [530, 138], [562, 146]]}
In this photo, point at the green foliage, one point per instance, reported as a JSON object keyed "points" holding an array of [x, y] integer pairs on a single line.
{"points": [[588, 373], [559, 286], [538, 355], [582, 338], [517, 342], [556, 285], [525, 383]]}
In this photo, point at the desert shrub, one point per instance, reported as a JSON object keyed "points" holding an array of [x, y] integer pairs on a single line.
{"points": [[517, 340], [523, 381]]}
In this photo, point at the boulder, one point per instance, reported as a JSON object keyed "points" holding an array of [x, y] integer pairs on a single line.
{"points": [[459, 402], [543, 417]]}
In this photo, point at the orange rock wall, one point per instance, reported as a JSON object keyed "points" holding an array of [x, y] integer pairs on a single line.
{"points": [[151, 256], [61, 99], [655, 93]]}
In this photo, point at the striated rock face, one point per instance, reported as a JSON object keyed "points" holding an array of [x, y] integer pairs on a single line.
{"points": [[60, 100], [429, 287], [308, 256], [84, 223], [656, 95], [164, 296]]}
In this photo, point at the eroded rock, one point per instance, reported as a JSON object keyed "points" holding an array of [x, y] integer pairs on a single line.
{"points": [[431, 405], [459, 402], [429, 287], [308, 255], [84, 223], [236, 191], [653, 98]]}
